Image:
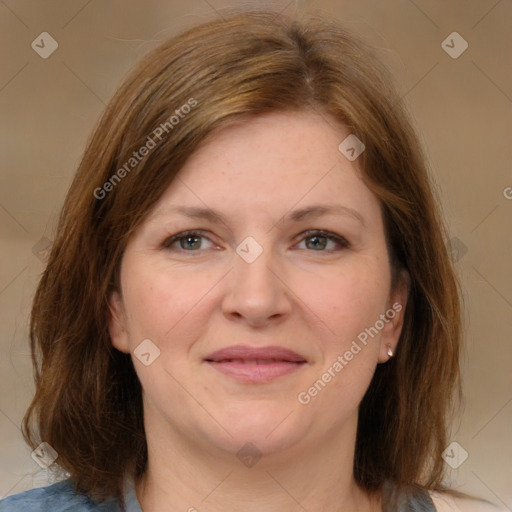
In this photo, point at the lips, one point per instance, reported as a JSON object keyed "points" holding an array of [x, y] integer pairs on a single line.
{"points": [[255, 365], [261, 355]]}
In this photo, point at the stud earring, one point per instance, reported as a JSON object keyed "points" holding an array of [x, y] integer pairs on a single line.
{"points": [[390, 351]]}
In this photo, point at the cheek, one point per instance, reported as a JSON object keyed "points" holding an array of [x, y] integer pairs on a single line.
{"points": [[348, 303], [147, 294], [163, 302], [350, 300]]}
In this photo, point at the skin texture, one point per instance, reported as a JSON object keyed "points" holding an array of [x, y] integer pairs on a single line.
{"points": [[299, 294]]}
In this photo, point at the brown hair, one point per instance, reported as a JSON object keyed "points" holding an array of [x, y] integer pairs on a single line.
{"points": [[88, 404]]}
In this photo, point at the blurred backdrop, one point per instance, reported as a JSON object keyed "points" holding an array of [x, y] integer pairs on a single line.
{"points": [[63, 59]]}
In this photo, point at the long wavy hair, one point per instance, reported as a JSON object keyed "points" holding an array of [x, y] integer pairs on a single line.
{"points": [[88, 399]]}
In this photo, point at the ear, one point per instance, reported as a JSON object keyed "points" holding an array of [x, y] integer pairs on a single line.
{"points": [[117, 322], [394, 317]]}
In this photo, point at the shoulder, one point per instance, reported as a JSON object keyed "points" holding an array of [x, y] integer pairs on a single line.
{"points": [[444, 502], [58, 497]]}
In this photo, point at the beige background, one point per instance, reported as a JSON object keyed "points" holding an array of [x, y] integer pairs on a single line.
{"points": [[462, 106]]}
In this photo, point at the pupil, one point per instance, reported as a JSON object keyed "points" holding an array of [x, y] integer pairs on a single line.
{"points": [[188, 240], [315, 244]]}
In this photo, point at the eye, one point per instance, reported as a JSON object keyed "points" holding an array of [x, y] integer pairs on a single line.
{"points": [[319, 239], [316, 240], [189, 241]]}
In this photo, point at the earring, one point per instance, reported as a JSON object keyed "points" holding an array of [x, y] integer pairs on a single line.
{"points": [[390, 351]]}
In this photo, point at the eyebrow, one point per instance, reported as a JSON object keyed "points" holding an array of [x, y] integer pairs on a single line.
{"points": [[293, 216]]}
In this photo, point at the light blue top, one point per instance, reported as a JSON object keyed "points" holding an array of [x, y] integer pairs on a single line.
{"points": [[61, 497]]}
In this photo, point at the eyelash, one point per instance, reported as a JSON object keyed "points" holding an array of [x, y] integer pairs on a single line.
{"points": [[307, 234]]}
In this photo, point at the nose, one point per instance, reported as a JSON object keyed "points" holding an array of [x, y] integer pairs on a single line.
{"points": [[257, 291]]}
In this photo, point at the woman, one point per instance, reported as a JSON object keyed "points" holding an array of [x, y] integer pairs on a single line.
{"points": [[249, 302]]}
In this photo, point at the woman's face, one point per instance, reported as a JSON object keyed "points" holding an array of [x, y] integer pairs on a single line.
{"points": [[257, 273]]}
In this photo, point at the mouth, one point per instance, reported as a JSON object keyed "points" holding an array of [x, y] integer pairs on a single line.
{"points": [[255, 365]]}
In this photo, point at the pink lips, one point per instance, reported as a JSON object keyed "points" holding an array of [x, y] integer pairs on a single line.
{"points": [[249, 364]]}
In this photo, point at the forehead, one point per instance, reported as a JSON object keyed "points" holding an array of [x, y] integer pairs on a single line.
{"points": [[271, 163]]}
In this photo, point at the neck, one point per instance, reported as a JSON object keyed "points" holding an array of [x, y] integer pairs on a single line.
{"points": [[183, 476]]}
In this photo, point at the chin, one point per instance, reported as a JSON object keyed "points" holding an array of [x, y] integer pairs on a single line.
{"points": [[267, 428]]}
